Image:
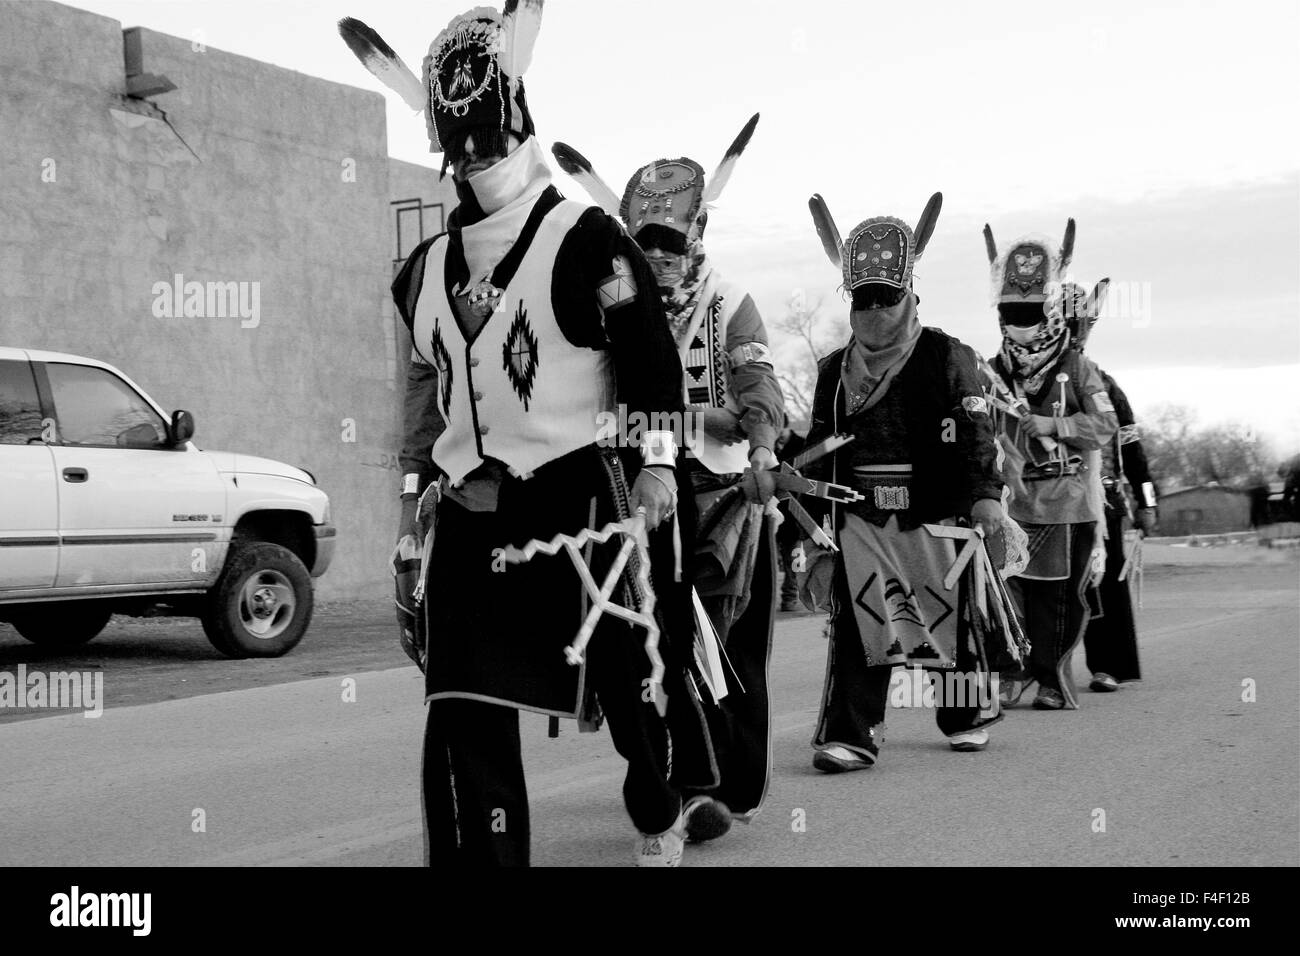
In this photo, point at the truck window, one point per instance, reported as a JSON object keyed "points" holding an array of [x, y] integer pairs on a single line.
{"points": [[95, 407], [20, 406]]}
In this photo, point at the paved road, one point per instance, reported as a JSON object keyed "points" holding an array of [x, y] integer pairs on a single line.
{"points": [[1186, 772]]}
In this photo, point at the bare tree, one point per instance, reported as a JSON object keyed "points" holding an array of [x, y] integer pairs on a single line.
{"points": [[812, 325], [1183, 455]]}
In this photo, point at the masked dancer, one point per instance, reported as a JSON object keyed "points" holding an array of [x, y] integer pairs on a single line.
{"points": [[922, 454], [538, 315], [1068, 419], [736, 412]]}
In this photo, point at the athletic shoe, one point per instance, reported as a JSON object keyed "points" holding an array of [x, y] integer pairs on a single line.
{"points": [[705, 819], [841, 760], [661, 849], [1049, 699], [970, 741], [1010, 690], [1103, 683]]}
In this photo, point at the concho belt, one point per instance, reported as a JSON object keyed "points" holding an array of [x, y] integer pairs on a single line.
{"points": [[886, 487]]}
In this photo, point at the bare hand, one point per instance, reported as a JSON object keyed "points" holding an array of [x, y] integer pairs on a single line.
{"points": [[757, 482], [986, 513], [1038, 426], [659, 498], [1146, 519]]}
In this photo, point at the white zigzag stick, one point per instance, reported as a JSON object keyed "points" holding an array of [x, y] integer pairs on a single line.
{"points": [[633, 529]]}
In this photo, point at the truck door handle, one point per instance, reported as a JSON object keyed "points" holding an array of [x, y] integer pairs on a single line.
{"points": [[75, 475]]}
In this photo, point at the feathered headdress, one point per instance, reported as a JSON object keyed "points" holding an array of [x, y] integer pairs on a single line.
{"points": [[472, 75], [880, 249], [673, 193], [1082, 308], [1033, 268]]}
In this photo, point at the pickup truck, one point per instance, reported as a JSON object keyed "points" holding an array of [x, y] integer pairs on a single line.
{"points": [[108, 507]]}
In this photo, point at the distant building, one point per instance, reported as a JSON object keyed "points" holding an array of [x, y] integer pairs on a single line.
{"points": [[1209, 509], [135, 162]]}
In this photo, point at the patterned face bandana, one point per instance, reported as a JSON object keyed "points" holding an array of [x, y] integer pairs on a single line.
{"points": [[1032, 351], [681, 292]]}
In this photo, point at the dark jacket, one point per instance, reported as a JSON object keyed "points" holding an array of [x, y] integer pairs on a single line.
{"points": [[934, 417]]}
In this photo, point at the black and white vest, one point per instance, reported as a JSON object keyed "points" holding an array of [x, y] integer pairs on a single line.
{"points": [[517, 390]]}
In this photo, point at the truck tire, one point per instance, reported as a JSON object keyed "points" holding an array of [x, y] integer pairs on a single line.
{"points": [[261, 604], [61, 624]]}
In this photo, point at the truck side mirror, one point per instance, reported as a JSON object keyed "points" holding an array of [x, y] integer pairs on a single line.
{"points": [[182, 427]]}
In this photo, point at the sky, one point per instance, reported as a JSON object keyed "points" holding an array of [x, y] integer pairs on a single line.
{"points": [[1169, 130]]}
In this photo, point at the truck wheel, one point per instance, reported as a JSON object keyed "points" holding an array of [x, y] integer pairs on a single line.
{"points": [[61, 624], [262, 603]]}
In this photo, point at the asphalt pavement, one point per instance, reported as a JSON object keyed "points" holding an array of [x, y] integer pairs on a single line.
{"points": [[294, 769]]}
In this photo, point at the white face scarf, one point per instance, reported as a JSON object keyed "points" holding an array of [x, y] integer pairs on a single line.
{"points": [[506, 193], [512, 178]]}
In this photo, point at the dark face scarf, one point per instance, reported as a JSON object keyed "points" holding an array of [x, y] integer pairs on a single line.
{"points": [[883, 340]]}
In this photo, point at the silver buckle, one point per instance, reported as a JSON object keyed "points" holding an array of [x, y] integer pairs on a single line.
{"points": [[891, 497]]}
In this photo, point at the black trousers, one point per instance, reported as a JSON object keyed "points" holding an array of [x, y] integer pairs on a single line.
{"points": [[855, 696], [787, 539], [475, 795], [1110, 642], [1055, 614], [740, 725]]}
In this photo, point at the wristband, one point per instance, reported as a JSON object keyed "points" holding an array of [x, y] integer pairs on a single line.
{"points": [[659, 448]]}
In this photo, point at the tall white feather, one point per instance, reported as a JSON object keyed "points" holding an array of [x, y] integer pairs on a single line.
{"points": [[386, 66], [521, 21], [718, 181], [580, 168]]}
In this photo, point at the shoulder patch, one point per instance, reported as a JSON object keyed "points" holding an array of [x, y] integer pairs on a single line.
{"points": [[975, 405], [749, 353], [1103, 402], [619, 288]]}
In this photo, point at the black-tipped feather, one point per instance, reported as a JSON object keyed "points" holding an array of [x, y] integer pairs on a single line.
{"points": [[380, 59], [925, 225], [826, 229], [718, 181], [989, 244], [580, 168], [742, 140], [1067, 245], [570, 160]]}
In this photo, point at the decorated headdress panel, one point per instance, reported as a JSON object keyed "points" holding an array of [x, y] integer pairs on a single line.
{"points": [[673, 193], [1032, 269], [881, 249], [472, 75], [667, 192]]}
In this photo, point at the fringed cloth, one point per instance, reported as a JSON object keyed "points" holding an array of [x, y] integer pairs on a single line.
{"points": [[726, 550]]}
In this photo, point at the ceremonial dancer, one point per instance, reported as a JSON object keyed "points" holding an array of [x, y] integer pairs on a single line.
{"points": [[922, 459], [736, 411], [1110, 641], [1068, 417], [537, 314]]}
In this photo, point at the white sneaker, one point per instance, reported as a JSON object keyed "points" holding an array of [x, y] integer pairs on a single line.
{"points": [[662, 849], [970, 741]]}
